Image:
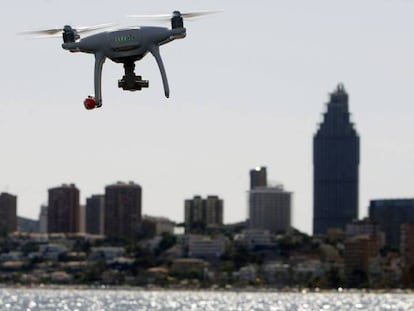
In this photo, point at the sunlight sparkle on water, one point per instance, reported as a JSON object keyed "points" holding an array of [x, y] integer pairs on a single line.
{"points": [[100, 300]]}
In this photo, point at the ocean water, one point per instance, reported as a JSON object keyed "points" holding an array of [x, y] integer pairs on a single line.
{"points": [[80, 300]]}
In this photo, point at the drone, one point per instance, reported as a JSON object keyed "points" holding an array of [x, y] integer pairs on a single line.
{"points": [[125, 46]]}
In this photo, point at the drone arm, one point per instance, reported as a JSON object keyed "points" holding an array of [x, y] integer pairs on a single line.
{"points": [[155, 51], [99, 61]]}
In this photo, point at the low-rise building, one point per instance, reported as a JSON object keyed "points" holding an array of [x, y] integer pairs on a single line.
{"points": [[11, 256], [246, 274], [206, 247], [107, 253], [256, 239], [161, 224], [188, 267], [277, 273], [407, 245], [52, 251], [309, 269]]}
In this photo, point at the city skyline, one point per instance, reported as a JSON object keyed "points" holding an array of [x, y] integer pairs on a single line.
{"points": [[246, 90], [384, 214]]}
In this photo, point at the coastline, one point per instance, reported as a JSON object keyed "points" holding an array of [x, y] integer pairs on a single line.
{"points": [[230, 289]]}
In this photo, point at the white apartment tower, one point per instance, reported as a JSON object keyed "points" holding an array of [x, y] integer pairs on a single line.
{"points": [[270, 208]]}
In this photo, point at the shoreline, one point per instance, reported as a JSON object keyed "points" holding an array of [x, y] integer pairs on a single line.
{"points": [[211, 289]]}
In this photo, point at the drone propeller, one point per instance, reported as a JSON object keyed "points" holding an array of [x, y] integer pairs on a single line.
{"points": [[56, 32], [167, 17]]}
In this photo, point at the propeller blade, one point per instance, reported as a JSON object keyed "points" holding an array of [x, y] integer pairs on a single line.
{"points": [[166, 17], [55, 32], [45, 32], [57, 35], [151, 16], [198, 14], [94, 27], [155, 17]]}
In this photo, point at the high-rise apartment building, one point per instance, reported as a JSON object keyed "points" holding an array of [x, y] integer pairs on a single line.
{"points": [[258, 177], [270, 208], [8, 213], [201, 213], [358, 253], [122, 210], [390, 214], [63, 213], [214, 210], [335, 166], [194, 213], [43, 219], [94, 214]]}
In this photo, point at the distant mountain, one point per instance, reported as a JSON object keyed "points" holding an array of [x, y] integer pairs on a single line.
{"points": [[27, 225]]}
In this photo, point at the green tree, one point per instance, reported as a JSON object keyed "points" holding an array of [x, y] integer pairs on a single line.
{"points": [[93, 272]]}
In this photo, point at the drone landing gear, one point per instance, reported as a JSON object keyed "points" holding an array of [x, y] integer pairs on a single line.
{"points": [[131, 82]]}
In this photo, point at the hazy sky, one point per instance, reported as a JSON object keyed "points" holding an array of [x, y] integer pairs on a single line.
{"points": [[248, 87]]}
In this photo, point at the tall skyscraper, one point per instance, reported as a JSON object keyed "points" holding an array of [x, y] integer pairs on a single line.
{"points": [[270, 209], [8, 213], [258, 177], [94, 214], [201, 213], [63, 213], [390, 215], [122, 210], [335, 166]]}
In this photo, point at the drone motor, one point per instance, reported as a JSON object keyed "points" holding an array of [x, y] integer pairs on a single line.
{"points": [[69, 34], [177, 20]]}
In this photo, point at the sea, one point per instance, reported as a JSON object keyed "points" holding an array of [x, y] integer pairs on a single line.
{"points": [[31, 299]]}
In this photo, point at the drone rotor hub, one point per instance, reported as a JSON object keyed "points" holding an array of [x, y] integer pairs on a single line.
{"points": [[69, 34], [177, 20]]}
